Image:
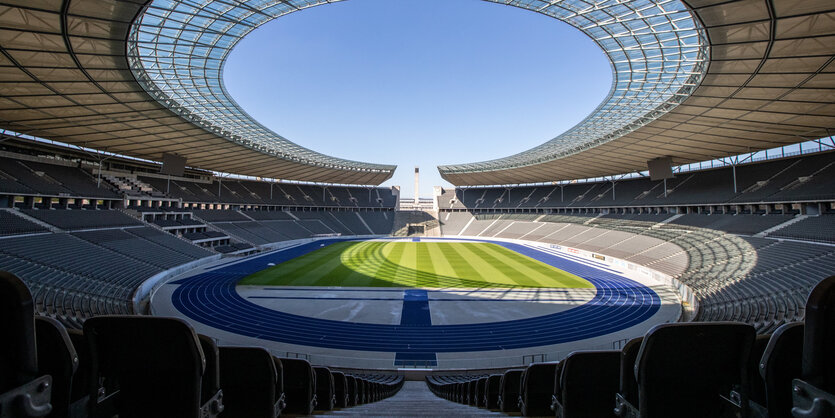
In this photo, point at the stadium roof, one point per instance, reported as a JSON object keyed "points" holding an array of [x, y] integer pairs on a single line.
{"points": [[144, 78], [769, 81], [69, 71]]}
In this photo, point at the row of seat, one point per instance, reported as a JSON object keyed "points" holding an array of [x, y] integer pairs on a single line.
{"points": [[700, 369], [133, 366]]}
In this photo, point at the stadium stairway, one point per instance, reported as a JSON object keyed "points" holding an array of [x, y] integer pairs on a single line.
{"points": [[414, 399]]}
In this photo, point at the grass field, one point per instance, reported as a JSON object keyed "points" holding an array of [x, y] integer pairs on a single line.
{"points": [[415, 264]]}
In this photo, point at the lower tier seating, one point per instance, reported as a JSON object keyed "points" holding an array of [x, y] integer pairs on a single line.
{"points": [[688, 370], [135, 366], [760, 281]]}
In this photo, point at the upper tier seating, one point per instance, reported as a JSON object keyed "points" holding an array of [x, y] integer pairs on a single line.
{"points": [[247, 192], [806, 177], [11, 224], [72, 220], [28, 177], [816, 228]]}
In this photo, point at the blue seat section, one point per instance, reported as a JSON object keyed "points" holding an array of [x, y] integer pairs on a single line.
{"points": [[210, 298]]}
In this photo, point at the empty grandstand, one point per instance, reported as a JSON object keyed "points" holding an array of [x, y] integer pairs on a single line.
{"points": [[123, 260]]}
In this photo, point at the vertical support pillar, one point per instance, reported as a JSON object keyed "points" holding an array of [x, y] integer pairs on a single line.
{"points": [[733, 166], [417, 186]]}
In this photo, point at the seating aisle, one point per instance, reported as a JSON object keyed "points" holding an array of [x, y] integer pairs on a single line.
{"points": [[414, 399]]}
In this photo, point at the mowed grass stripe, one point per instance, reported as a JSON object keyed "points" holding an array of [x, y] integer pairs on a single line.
{"points": [[461, 267], [415, 264], [426, 264], [440, 262], [529, 268], [488, 266]]}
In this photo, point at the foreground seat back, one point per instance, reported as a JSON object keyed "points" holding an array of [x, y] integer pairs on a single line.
{"points": [[492, 391], [814, 392], [248, 378], [509, 392], [299, 386], [279, 384], [22, 392], [340, 389], [589, 381], [556, 398], [780, 364], [628, 388], [325, 398], [756, 394], [57, 358], [537, 388], [81, 380], [156, 363], [210, 386], [684, 370]]}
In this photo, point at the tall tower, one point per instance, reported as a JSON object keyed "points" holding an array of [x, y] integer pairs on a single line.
{"points": [[417, 185]]}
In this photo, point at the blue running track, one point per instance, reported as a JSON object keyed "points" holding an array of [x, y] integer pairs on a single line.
{"points": [[210, 298]]}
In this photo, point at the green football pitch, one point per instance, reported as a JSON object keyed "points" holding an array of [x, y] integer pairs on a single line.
{"points": [[415, 264]]}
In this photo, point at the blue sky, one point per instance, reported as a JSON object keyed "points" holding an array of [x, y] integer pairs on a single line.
{"points": [[417, 82]]}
